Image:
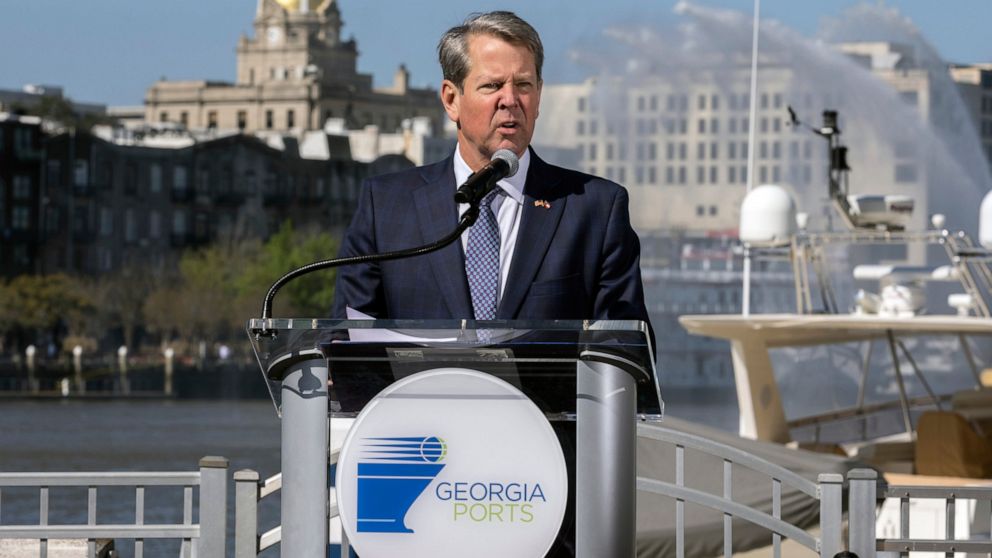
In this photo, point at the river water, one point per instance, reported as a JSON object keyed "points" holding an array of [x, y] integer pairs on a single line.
{"points": [[172, 435]]}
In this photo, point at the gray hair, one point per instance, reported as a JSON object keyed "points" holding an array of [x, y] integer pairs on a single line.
{"points": [[452, 50]]}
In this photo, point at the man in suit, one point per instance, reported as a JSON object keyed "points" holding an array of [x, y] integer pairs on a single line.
{"points": [[566, 249], [550, 243]]}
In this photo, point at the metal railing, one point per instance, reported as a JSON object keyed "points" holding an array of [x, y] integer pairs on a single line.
{"points": [[863, 510], [828, 491], [206, 539], [249, 490], [863, 497]]}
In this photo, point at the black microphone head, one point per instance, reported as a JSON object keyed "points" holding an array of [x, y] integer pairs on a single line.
{"points": [[510, 158]]}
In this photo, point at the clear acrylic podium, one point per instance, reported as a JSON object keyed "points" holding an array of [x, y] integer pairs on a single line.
{"points": [[598, 373]]}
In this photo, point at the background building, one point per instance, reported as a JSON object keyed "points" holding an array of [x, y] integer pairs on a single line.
{"points": [[20, 179], [295, 74]]}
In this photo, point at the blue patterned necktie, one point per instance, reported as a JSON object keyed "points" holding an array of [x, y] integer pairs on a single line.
{"points": [[482, 259]]}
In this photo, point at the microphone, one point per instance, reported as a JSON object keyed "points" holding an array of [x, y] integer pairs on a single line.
{"points": [[503, 164]]}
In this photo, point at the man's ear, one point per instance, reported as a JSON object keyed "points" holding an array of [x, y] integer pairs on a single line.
{"points": [[451, 99]]}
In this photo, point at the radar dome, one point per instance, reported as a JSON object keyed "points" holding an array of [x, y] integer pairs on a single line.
{"points": [[768, 216], [985, 222]]}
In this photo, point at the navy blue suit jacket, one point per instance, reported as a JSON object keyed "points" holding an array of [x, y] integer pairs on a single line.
{"points": [[577, 259]]}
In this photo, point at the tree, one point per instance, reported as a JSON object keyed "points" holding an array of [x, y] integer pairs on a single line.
{"points": [[218, 288], [122, 297], [288, 249], [42, 302]]}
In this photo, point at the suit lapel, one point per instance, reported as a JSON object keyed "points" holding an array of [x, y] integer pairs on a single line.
{"points": [[537, 227], [437, 216]]}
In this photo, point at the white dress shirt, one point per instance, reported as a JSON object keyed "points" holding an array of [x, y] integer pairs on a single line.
{"points": [[508, 209]]}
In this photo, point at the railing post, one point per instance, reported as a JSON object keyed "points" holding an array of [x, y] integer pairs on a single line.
{"points": [[861, 512], [245, 514], [213, 507], [831, 513]]}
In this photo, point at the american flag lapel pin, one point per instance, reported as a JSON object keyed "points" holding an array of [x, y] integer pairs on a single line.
{"points": [[542, 203]]}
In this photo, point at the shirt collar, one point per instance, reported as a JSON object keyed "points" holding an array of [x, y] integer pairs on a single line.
{"points": [[513, 186]]}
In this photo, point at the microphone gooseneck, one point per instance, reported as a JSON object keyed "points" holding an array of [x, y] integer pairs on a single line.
{"points": [[504, 163]]}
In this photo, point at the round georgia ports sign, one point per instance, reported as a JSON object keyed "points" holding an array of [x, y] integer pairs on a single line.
{"points": [[451, 463]]}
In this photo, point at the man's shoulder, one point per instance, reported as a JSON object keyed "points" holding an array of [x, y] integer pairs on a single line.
{"points": [[584, 184], [414, 176]]}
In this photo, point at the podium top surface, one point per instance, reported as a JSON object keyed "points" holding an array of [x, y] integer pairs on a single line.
{"points": [[391, 348]]}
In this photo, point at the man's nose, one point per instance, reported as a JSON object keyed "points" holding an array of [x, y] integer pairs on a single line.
{"points": [[509, 96]]}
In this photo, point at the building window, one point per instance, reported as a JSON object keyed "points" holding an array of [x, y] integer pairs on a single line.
{"points": [[155, 224], [163, 117], [702, 126], [130, 226], [731, 150], [179, 222], [714, 102], [180, 177], [242, 119], [212, 120], [714, 126], [106, 221], [652, 175], [714, 151], [268, 120], [22, 187], [701, 103], [580, 127], [906, 172], [778, 100], [732, 174], [582, 104], [713, 214], [155, 178], [670, 175], [290, 118], [592, 151], [700, 210], [20, 217], [701, 151], [593, 127], [682, 176], [81, 172], [700, 175], [714, 175]]}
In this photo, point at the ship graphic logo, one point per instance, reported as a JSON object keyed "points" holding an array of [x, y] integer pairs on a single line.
{"points": [[393, 473]]}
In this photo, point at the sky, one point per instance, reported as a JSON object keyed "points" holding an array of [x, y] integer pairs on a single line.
{"points": [[111, 51]]}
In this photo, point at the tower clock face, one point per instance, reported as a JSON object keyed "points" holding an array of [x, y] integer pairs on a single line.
{"points": [[273, 35]]}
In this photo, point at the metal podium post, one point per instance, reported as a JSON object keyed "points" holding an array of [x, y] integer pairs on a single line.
{"points": [[606, 458], [304, 460]]}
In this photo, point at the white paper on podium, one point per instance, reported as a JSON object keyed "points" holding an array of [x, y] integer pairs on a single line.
{"points": [[387, 335]]}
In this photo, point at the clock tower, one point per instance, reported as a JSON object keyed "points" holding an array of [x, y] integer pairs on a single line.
{"points": [[295, 74], [297, 40]]}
